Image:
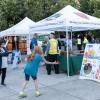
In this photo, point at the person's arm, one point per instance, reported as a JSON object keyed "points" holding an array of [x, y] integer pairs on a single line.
{"points": [[47, 49], [6, 43], [59, 45], [47, 62], [36, 43], [31, 45]]}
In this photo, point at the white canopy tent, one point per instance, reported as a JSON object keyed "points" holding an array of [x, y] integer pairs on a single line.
{"points": [[22, 28], [67, 19]]}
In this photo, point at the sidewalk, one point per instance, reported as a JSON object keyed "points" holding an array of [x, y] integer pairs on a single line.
{"points": [[53, 87]]}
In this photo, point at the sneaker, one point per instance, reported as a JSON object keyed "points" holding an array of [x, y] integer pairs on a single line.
{"points": [[38, 94], [22, 95]]}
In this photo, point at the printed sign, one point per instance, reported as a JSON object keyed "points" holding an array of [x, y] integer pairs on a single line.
{"points": [[90, 68]]}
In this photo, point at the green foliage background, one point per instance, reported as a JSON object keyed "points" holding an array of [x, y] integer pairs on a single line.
{"points": [[13, 11]]}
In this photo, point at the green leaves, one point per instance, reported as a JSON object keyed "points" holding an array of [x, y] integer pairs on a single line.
{"points": [[13, 11], [91, 7]]}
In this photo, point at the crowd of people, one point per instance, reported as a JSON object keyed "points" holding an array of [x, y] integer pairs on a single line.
{"points": [[83, 39], [49, 56], [49, 53]]}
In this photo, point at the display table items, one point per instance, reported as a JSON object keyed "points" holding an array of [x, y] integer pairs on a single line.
{"points": [[75, 62]]}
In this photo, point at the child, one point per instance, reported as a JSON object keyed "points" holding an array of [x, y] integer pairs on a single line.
{"points": [[31, 69]]}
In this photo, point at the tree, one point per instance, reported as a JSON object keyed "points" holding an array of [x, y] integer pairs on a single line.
{"points": [[61, 4], [85, 6], [12, 11], [91, 7], [95, 5]]}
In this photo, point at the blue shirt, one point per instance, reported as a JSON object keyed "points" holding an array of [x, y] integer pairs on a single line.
{"points": [[31, 67], [33, 43]]}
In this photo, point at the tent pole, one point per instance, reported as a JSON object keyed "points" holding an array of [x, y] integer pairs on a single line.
{"points": [[71, 39], [28, 44], [29, 40], [67, 51], [15, 39]]}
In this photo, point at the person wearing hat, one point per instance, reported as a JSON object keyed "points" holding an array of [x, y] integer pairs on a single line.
{"points": [[3, 63]]}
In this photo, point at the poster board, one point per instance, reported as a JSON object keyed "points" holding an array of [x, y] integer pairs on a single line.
{"points": [[90, 68]]}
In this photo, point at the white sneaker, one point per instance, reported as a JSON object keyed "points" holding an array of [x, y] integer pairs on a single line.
{"points": [[38, 94], [22, 94]]}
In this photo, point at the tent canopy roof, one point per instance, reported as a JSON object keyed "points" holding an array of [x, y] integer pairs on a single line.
{"points": [[69, 18], [19, 29]]}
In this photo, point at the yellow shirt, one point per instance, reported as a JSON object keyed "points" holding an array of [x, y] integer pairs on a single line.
{"points": [[53, 46], [85, 41], [78, 41]]}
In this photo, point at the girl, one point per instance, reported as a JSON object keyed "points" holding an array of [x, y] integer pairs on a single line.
{"points": [[31, 69]]}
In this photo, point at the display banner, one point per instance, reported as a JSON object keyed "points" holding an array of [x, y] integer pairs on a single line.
{"points": [[90, 68]]}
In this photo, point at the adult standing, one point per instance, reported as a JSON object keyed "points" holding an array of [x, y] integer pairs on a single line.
{"points": [[3, 62], [33, 42], [79, 42], [85, 41], [89, 37], [52, 54], [45, 44]]}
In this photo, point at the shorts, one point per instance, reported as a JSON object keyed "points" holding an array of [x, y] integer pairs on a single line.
{"points": [[27, 77]]}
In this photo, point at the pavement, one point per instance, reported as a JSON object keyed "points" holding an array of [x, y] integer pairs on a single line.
{"points": [[53, 87]]}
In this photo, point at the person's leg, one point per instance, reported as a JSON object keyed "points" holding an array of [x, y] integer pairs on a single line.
{"points": [[27, 77], [81, 47], [22, 93], [3, 76], [78, 47], [24, 85], [56, 67], [0, 71], [36, 84], [48, 66], [37, 93]]}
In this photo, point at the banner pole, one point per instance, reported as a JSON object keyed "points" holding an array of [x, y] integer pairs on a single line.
{"points": [[71, 39]]}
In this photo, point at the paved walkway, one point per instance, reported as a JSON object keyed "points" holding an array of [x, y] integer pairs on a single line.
{"points": [[53, 87]]}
